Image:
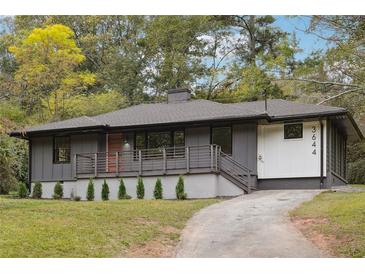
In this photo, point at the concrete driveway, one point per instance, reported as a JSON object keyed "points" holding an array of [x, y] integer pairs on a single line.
{"points": [[254, 225]]}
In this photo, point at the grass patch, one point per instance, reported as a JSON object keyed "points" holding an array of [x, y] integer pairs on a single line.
{"points": [[48, 228], [337, 216], [362, 186]]}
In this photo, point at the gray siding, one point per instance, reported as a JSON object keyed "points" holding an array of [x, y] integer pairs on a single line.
{"points": [[43, 168], [244, 145], [197, 136], [336, 155]]}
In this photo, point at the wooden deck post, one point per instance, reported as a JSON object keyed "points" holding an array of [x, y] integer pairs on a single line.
{"points": [[95, 164], [140, 162], [187, 156], [116, 163]]}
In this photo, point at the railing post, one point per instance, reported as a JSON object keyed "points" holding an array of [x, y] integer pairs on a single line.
{"points": [[249, 181], [140, 162], [216, 158], [211, 158], [164, 160], [187, 156], [75, 165], [96, 164], [219, 158], [116, 163]]}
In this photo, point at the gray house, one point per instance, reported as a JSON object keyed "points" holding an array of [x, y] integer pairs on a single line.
{"points": [[220, 149]]}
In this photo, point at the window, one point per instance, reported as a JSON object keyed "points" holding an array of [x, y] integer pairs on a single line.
{"points": [[61, 150], [155, 140], [293, 131], [159, 139], [179, 138], [222, 136], [140, 142]]}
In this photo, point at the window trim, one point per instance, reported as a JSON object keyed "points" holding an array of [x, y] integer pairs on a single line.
{"points": [[293, 138], [55, 161]]}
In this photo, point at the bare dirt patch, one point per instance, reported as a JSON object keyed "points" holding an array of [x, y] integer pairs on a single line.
{"points": [[160, 248], [308, 226]]}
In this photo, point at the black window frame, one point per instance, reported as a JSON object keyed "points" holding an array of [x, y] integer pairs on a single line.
{"points": [[146, 141], [231, 139], [286, 126], [56, 159]]}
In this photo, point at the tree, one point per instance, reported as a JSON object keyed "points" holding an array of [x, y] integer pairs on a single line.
{"points": [[113, 47], [90, 190], [48, 59], [121, 191], [105, 191], [176, 51], [158, 192], [37, 190], [58, 191], [140, 188], [22, 190], [180, 189], [255, 85]]}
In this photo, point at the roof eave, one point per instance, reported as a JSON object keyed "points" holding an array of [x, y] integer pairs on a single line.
{"points": [[26, 135]]}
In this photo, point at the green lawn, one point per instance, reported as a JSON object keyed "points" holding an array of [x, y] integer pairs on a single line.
{"points": [[137, 228], [337, 216]]}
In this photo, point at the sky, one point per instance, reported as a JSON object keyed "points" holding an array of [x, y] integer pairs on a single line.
{"points": [[307, 42]]}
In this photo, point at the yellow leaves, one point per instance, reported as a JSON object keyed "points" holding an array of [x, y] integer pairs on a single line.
{"points": [[48, 61], [52, 44]]}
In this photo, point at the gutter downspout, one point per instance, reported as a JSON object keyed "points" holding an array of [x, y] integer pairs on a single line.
{"points": [[321, 184]]}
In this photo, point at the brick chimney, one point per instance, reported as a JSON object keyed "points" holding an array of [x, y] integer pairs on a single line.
{"points": [[178, 95]]}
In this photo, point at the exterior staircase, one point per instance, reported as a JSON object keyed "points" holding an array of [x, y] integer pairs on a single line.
{"points": [[235, 172]]}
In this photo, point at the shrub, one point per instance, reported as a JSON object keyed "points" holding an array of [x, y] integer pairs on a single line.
{"points": [[90, 190], [127, 197], [157, 192], [121, 191], [356, 172], [105, 191], [37, 190], [180, 191], [77, 198], [58, 191], [22, 191], [140, 188]]}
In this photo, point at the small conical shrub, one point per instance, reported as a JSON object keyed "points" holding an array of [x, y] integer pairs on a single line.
{"points": [[105, 191], [90, 190], [157, 192], [22, 191], [140, 188], [37, 190], [58, 191], [122, 191], [180, 191]]}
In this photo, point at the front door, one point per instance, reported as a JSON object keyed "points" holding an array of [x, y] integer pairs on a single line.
{"points": [[114, 144]]}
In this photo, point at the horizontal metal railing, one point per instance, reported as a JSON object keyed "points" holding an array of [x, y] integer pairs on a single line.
{"points": [[159, 160], [235, 172]]}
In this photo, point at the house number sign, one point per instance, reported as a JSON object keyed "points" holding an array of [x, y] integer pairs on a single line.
{"points": [[314, 140]]}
